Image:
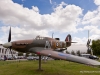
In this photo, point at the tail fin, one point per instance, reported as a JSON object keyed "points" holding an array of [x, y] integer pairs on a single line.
{"points": [[68, 40]]}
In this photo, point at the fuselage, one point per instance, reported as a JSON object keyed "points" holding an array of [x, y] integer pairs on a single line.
{"points": [[44, 42]]}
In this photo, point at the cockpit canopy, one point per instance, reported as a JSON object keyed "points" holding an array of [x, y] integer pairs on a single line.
{"points": [[57, 38], [39, 37]]}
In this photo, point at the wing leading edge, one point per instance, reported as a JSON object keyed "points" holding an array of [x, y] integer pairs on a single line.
{"points": [[64, 56]]}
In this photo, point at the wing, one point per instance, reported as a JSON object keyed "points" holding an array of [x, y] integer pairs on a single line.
{"points": [[63, 56]]}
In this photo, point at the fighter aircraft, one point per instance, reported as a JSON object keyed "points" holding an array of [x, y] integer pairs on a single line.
{"points": [[46, 46]]}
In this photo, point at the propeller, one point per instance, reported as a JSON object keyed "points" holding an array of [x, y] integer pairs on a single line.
{"points": [[9, 44], [9, 39]]}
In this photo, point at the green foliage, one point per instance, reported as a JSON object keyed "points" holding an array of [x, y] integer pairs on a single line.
{"points": [[96, 47], [67, 52], [72, 52], [33, 54], [20, 53], [27, 54], [78, 53]]}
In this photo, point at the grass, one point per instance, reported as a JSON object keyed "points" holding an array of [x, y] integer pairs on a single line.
{"points": [[52, 67]]}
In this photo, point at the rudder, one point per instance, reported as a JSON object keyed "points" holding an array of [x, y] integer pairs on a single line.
{"points": [[68, 40]]}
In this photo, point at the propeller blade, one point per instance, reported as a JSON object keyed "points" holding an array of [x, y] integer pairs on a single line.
{"points": [[9, 37]]}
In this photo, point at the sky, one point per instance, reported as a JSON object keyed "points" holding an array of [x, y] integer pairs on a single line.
{"points": [[29, 18]]}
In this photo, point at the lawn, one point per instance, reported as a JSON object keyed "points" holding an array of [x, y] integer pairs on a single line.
{"points": [[51, 67]]}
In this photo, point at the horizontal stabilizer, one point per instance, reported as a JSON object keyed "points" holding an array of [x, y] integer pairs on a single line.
{"points": [[70, 42]]}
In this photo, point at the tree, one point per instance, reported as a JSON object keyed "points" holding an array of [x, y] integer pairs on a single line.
{"points": [[72, 52], [78, 53], [88, 46], [96, 47], [27, 54], [67, 52], [20, 54], [33, 54]]}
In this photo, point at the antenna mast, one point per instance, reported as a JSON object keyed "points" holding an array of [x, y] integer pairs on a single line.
{"points": [[88, 34], [52, 34]]}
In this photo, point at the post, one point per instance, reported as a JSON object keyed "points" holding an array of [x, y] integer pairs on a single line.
{"points": [[52, 35], [88, 42], [88, 34], [39, 69]]}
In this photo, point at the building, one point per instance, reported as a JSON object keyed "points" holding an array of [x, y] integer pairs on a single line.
{"points": [[78, 47], [6, 52]]}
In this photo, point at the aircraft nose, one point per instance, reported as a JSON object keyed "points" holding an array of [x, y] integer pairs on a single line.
{"points": [[6, 45]]}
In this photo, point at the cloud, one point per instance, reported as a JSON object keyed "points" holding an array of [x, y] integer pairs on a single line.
{"points": [[95, 37], [91, 22], [60, 19], [35, 9], [92, 17], [23, 0], [50, 1], [27, 23], [80, 40], [21, 33], [30, 18], [91, 28], [97, 2]]}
